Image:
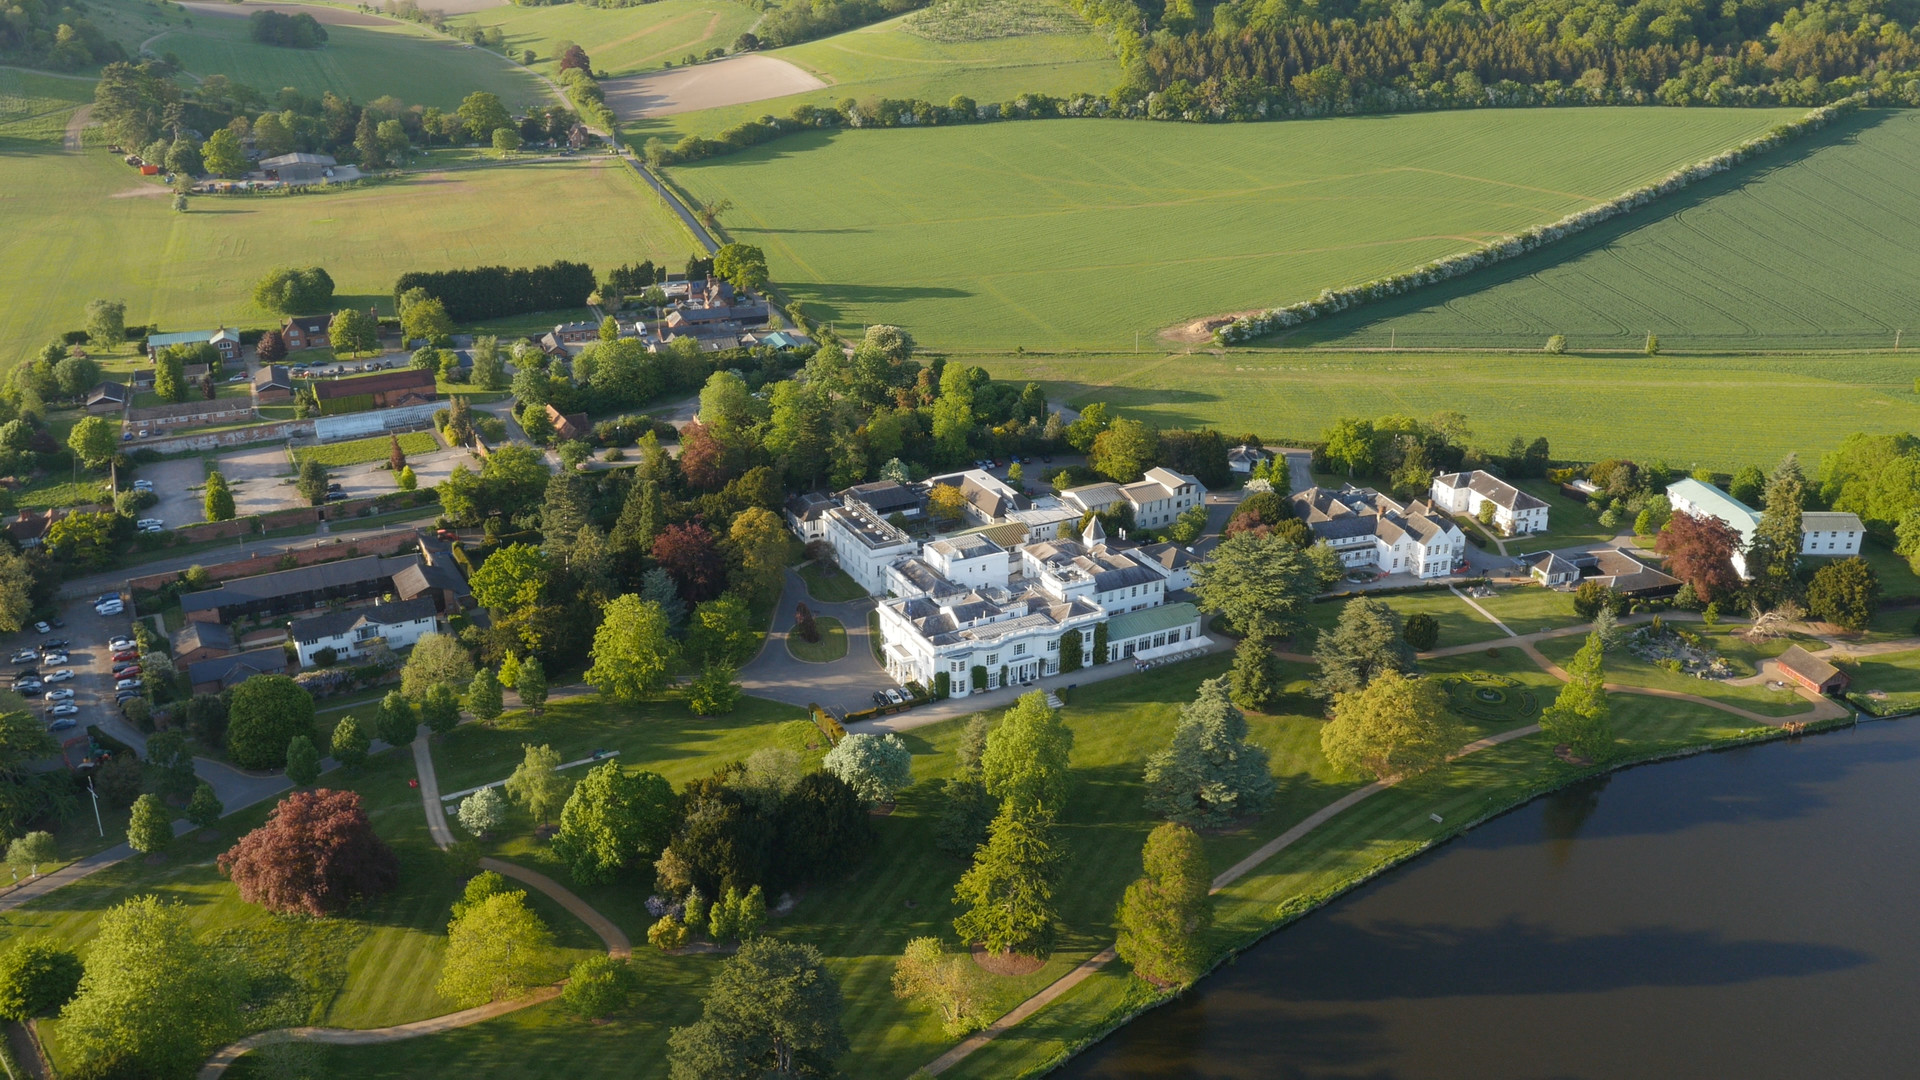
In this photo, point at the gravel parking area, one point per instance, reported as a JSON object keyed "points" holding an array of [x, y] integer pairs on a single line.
{"points": [[367, 481], [257, 478], [181, 486]]}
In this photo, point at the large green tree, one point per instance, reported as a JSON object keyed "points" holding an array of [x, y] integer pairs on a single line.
{"points": [[1025, 762], [265, 714], [1396, 726], [436, 658], [1009, 891], [773, 1010], [874, 766], [153, 1000], [93, 441], [496, 949], [1845, 592], [1125, 450], [1365, 643], [1162, 911], [512, 579], [1580, 715], [1774, 550], [633, 653], [1210, 774], [537, 784], [107, 323], [614, 820], [1262, 584], [36, 979], [743, 265], [295, 291]]}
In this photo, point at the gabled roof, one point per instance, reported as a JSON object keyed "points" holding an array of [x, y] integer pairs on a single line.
{"points": [[271, 377], [112, 392], [309, 324], [298, 580], [285, 160], [335, 623], [228, 670], [1830, 521], [1806, 665], [1716, 503], [1492, 488], [202, 635], [156, 342]]}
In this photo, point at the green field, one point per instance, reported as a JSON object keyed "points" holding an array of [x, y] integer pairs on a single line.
{"points": [[360, 62], [84, 226], [361, 451], [1690, 411], [918, 56], [1080, 233], [620, 41], [1809, 248]]}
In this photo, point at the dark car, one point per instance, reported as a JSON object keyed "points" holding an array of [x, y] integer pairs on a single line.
{"points": [[1046, 459], [125, 696], [336, 496], [335, 487], [26, 673], [52, 644], [880, 697], [56, 624]]}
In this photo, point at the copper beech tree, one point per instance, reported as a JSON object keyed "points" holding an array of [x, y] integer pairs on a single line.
{"points": [[317, 853], [1699, 551]]}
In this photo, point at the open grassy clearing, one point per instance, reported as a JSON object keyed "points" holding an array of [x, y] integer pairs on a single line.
{"points": [[1529, 609], [361, 62], [925, 55], [84, 226], [1808, 248], [620, 41], [361, 451], [1459, 623], [1691, 411], [831, 646], [1078, 233]]}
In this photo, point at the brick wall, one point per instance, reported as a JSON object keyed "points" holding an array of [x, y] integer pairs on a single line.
{"points": [[387, 544]]}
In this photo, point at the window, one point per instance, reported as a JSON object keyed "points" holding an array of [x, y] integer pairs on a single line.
{"points": [[957, 665], [1054, 645], [1020, 649], [993, 658]]}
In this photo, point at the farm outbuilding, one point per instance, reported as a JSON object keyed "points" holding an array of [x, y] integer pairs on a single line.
{"points": [[1811, 672]]}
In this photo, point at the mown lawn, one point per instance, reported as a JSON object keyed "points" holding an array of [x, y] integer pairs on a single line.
{"points": [[362, 451], [620, 41], [831, 646], [1459, 623], [830, 584], [1529, 609]]}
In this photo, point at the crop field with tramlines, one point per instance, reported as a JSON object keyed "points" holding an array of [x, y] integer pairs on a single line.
{"points": [[1809, 248], [1082, 233]]}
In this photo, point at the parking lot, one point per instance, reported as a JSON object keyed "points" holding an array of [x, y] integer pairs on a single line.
{"points": [[259, 480], [181, 486], [92, 665]]}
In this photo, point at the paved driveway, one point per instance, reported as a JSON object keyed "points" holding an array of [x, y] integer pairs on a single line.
{"points": [[181, 485], [259, 480], [844, 685]]}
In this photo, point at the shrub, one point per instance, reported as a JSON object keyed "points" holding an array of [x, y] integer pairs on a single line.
{"points": [[36, 979], [597, 986], [1557, 344]]}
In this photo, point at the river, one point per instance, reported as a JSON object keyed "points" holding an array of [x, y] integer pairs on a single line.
{"points": [[1746, 914]]}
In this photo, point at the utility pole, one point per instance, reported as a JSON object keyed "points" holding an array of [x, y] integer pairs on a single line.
{"points": [[96, 808]]}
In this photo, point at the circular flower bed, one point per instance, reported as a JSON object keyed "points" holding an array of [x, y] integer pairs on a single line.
{"points": [[1492, 699]]}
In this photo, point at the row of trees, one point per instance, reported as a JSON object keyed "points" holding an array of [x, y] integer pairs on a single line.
{"points": [[491, 292], [1407, 452]]}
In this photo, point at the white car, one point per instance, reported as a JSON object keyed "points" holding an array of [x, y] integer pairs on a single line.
{"points": [[64, 710], [242, 377], [60, 676], [120, 644], [113, 608], [42, 628], [143, 485], [150, 529], [151, 523], [62, 694], [127, 684], [54, 658]]}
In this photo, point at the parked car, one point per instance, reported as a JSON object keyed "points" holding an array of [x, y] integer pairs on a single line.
{"points": [[335, 487], [120, 644], [24, 656], [151, 523], [105, 597], [127, 672], [26, 673], [58, 644], [896, 697], [336, 496], [115, 608], [151, 529], [143, 485], [242, 377], [124, 656], [62, 694], [54, 659], [63, 675], [65, 710], [60, 723], [126, 696], [880, 698], [57, 624], [28, 686], [128, 684], [42, 628]]}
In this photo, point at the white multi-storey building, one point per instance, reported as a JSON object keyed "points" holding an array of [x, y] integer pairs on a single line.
{"points": [[351, 632], [866, 544], [1157, 498], [1366, 528], [1822, 532], [1514, 511]]}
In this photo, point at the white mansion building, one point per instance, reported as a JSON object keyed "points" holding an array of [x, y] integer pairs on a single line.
{"points": [[995, 605], [1366, 528], [1514, 511], [1822, 532]]}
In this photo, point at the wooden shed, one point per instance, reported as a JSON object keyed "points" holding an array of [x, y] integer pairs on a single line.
{"points": [[1811, 672]]}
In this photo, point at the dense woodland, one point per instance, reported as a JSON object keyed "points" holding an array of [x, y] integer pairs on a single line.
{"points": [[56, 35]]}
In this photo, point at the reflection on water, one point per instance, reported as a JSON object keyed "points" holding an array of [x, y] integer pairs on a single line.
{"points": [[1740, 915]]}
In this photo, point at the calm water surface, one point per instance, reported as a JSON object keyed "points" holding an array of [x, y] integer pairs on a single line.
{"points": [[1747, 914]]}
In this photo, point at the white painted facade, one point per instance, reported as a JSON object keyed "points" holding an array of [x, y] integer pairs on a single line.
{"points": [[1515, 512]]}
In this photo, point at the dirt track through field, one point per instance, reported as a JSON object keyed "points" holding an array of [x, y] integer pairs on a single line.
{"points": [[733, 81]]}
